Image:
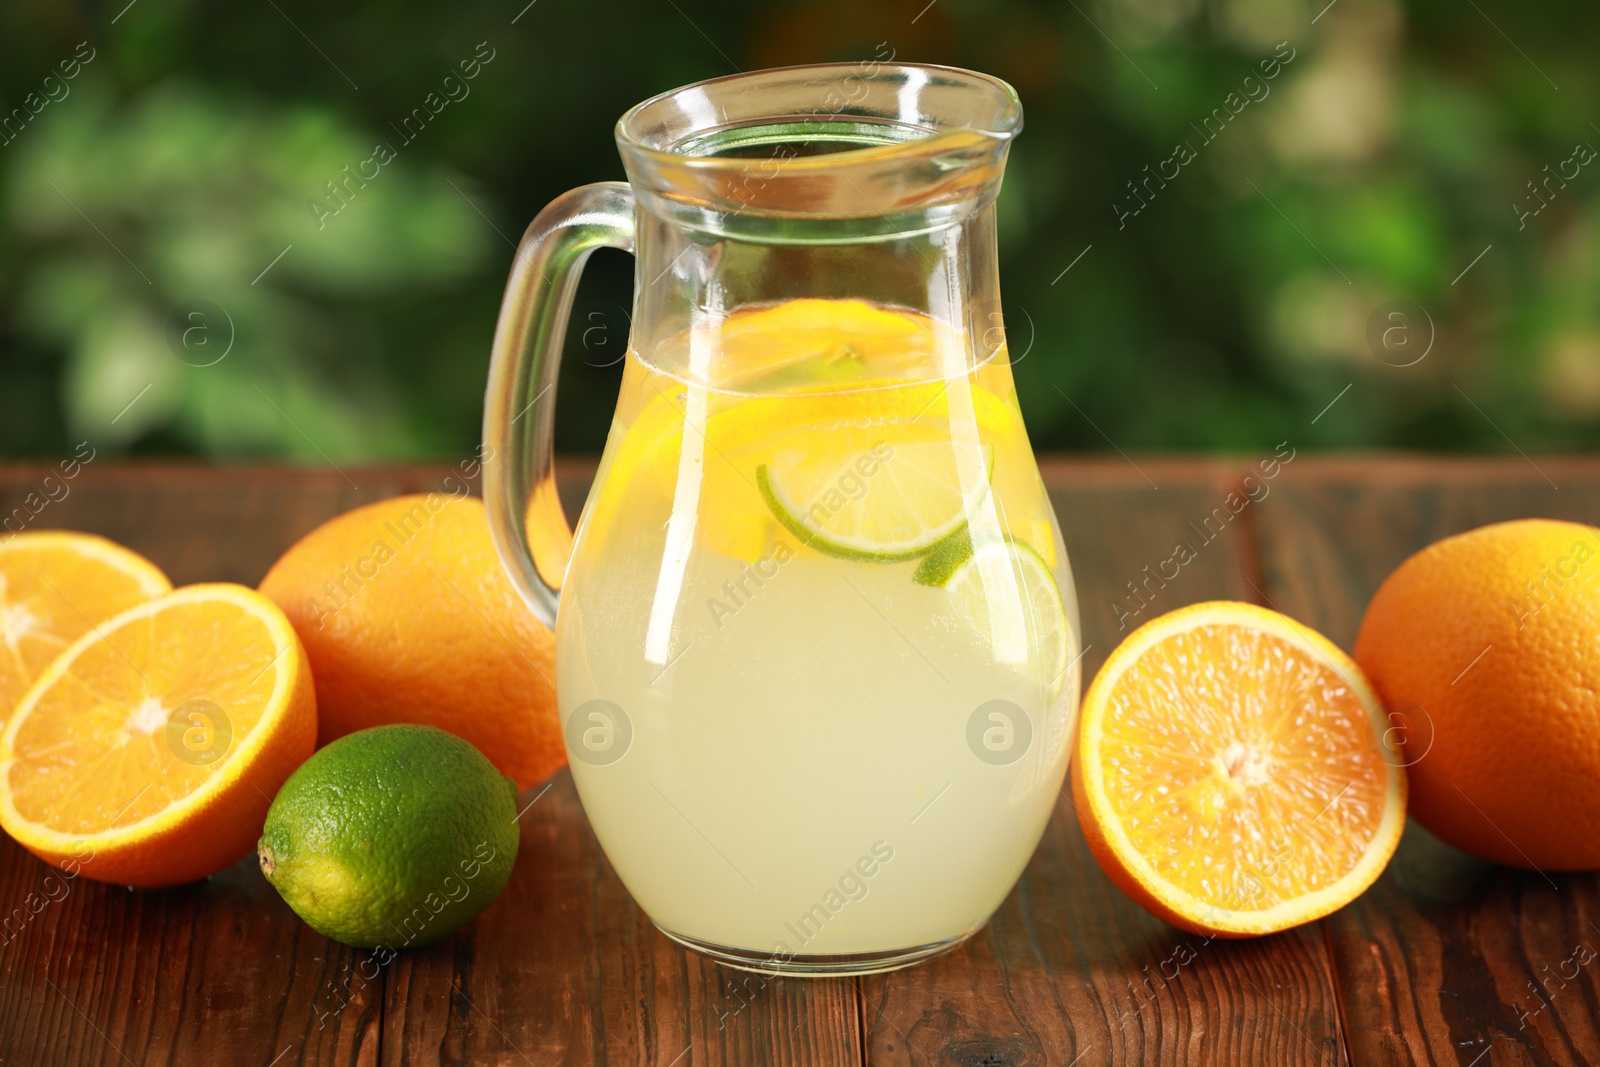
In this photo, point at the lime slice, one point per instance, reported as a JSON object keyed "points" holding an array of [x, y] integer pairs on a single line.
{"points": [[889, 503], [1006, 590], [939, 565]]}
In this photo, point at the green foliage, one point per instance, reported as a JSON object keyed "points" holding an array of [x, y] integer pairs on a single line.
{"points": [[128, 211], [1225, 314]]}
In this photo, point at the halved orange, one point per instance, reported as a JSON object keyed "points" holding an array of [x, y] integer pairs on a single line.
{"points": [[148, 753], [54, 587], [1233, 774]]}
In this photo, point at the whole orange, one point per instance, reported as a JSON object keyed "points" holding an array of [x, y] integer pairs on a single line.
{"points": [[407, 616], [1485, 648]]}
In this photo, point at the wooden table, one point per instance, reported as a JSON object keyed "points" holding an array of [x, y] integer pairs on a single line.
{"points": [[1441, 962]]}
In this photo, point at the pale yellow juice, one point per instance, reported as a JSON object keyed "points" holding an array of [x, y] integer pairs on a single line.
{"points": [[818, 643]]}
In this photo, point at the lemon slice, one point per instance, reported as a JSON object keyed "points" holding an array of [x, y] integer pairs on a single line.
{"points": [[824, 343], [1006, 589], [888, 503], [805, 388]]}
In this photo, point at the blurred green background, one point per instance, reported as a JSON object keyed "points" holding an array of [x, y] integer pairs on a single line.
{"points": [[167, 152]]}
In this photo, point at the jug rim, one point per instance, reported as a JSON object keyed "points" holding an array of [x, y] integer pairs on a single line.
{"points": [[1007, 124], [823, 139]]}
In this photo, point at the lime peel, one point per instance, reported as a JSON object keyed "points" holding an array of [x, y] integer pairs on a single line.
{"points": [[910, 499], [1046, 638], [391, 837]]}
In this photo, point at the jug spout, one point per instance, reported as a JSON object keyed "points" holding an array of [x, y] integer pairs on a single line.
{"points": [[843, 140]]}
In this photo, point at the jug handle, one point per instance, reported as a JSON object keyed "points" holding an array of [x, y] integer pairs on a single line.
{"points": [[526, 522]]}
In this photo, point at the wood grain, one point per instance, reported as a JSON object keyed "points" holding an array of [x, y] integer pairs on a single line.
{"points": [[1433, 965], [563, 968], [1446, 959], [1069, 971]]}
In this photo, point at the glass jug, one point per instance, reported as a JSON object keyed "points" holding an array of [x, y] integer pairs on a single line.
{"points": [[816, 637]]}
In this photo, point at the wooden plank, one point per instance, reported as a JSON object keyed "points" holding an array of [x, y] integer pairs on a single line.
{"points": [[1069, 971], [1430, 964], [1445, 959], [216, 972], [202, 524]]}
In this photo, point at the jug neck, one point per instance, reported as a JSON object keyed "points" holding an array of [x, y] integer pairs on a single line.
{"points": [[873, 182], [691, 280], [836, 141]]}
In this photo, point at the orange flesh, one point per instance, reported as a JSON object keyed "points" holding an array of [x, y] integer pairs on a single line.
{"points": [[1264, 786], [94, 753], [49, 596]]}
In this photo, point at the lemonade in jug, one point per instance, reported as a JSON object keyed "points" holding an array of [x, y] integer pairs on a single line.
{"points": [[816, 636]]}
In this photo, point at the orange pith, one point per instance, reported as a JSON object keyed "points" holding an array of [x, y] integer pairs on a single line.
{"points": [[96, 770], [53, 587], [1232, 774]]}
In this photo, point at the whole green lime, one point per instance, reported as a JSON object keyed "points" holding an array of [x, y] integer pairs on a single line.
{"points": [[391, 837]]}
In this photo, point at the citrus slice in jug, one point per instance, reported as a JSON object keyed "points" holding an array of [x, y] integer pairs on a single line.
{"points": [[883, 503], [1233, 774], [808, 390], [1006, 590], [822, 344], [148, 752]]}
